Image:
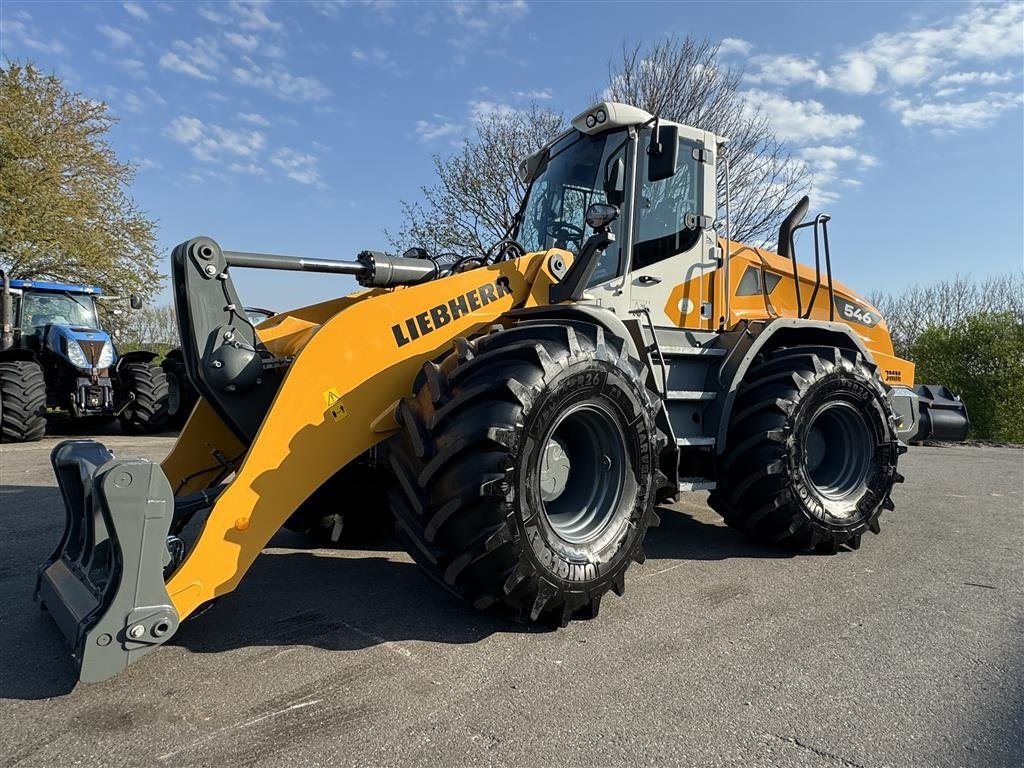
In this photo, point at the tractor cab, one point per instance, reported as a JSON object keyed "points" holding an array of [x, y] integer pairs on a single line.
{"points": [[56, 359]]}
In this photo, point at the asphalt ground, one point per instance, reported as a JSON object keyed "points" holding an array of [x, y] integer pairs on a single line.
{"points": [[723, 652]]}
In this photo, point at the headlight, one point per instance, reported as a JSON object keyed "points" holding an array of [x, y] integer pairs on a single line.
{"points": [[76, 355], [106, 355]]}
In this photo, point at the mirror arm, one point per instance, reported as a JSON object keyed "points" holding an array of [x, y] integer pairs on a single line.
{"points": [[575, 281]]}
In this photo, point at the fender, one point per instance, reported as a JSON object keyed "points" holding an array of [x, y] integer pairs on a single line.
{"points": [[18, 353], [138, 356], [585, 312], [750, 339]]}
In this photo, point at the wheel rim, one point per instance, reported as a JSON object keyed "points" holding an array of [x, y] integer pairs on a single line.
{"points": [[839, 450], [582, 473]]}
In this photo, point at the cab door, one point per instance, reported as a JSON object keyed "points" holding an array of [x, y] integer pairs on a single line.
{"points": [[673, 253]]}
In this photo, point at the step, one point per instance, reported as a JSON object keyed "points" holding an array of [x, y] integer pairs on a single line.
{"points": [[672, 351], [689, 394], [696, 484], [685, 442]]}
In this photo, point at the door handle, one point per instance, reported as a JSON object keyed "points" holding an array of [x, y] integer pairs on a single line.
{"points": [[648, 280]]}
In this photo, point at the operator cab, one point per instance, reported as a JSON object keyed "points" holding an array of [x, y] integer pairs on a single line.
{"points": [[661, 176], [39, 305]]}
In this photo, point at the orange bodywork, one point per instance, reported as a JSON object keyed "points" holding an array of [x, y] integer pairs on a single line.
{"points": [[781, 301]]}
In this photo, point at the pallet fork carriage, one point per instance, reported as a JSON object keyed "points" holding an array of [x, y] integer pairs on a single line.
{"points": [[528, 409]]}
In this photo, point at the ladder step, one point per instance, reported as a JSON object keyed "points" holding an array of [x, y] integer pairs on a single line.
{"points": [[695, 441], [670, 351], [689, 394], [696, 484]]}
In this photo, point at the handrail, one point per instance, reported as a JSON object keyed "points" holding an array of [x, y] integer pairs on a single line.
{"points": [[822, 219], [646, 313]]}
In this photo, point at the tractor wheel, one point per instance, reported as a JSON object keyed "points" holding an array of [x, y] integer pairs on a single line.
{"points": [[528, 469], [811, 450], [145, 388], [349, 510], [181, 395], [22, 402]]}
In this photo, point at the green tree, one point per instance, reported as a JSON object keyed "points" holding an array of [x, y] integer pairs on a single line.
{"points": [[65, 213], [982, 360]]}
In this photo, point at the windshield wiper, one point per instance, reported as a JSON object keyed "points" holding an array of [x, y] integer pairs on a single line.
{"points": [[91, 310]]}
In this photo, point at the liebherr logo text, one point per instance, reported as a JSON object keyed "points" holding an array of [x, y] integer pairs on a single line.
{"points": [[442, 314]]}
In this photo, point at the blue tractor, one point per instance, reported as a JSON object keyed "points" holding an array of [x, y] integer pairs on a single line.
{"points": [[55, 359]]}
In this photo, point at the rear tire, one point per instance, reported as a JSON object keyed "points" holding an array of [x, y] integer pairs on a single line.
{"points": [[811, 450], [528, 469], [22, 402], [146, 413]]}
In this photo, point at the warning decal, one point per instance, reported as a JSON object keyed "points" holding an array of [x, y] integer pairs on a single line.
{"points": [[335, 408]]}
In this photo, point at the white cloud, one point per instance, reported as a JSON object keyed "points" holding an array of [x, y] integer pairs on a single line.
{"points": [[136, 10], [856, 74], [734, 45], [544, 94], [245, 42], [831, 166], [200, 58], [428, 131], [210, 142], [145, 164], [133, 67], [245, 14], [172, 61], [801, 121], [950, 117], [281, 83], [254, 118], [377, 57], [513, 10], [480, 110], [786, 70], [985, 32], [30, 38], [250, 168], [297, 166], [972, 78], [117, 36]]}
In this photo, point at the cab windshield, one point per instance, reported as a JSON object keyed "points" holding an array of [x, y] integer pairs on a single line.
{"points": [[41, 309], [569, 180]]}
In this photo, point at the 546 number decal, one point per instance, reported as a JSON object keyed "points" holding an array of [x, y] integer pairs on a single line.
{"points": [[851, 312]]}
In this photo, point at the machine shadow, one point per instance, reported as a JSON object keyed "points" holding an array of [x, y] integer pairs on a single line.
{"points": [[338, 600], [682, 536], [344, 600]]}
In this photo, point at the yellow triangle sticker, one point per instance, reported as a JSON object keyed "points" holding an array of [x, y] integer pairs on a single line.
{"points": [[335, 408]]}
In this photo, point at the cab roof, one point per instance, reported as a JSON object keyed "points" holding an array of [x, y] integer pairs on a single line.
{"points": [[42, 285], [597, 118]]}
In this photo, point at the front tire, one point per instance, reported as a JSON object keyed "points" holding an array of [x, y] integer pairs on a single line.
{"points": [[528, 469], [144, 386], [22, 402], [181, 395], [811, 450]]}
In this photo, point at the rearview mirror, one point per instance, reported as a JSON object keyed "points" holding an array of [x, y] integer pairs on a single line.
{"points": [[601, 215], [135, 301], [615, 181], [663, 153]]}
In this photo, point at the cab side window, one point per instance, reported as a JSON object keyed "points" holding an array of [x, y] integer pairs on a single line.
{"points": [[661, 207]]}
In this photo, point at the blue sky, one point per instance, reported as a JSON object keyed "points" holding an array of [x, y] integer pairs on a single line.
{"points": [[297, 127]]}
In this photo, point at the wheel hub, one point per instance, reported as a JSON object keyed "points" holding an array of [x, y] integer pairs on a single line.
{"points": [[582, 472], [554, 471], [838, 450]]}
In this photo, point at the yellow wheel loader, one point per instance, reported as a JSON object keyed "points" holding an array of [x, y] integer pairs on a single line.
{"points": [[520, 414]]}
